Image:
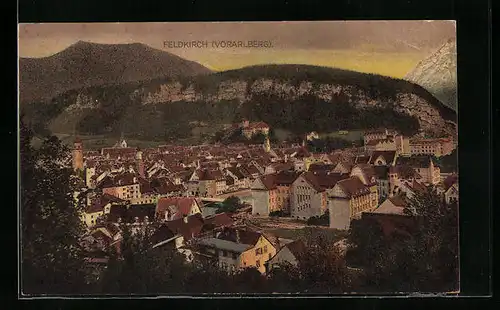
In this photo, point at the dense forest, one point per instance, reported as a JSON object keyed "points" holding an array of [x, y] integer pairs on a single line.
{"points": [[117, 114], [113, 109]]}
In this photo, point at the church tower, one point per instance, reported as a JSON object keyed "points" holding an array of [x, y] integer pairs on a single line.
{"points": [[139, 163], [267, 144], [78, 154]]}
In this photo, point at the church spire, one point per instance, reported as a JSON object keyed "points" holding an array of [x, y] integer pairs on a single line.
{"points": [[267, 144]]}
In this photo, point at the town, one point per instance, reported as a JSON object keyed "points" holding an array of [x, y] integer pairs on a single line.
{"points": [[231, 203]]}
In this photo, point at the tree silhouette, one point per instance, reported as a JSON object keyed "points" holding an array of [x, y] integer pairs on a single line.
{"points": [[52, 260]]}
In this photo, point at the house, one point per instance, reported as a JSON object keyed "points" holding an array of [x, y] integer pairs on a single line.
{"points": [[349, 199], [383, 158], [309, 196], [424, 165], [451, 189], [172, 208], [98, 207], [235, 249], [216, 221], [239, 177], [362, 159], [132, 214], [410, 188], [177, 233], [313, 135], [290, 253], [391, 217], [250, 129], [100, 238], [265, 194], [436, 147], [392, 205], [321, 168], [386, 144], [94, 212], [124, 186], [378, 134]]}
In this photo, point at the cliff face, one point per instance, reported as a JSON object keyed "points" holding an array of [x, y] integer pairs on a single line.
{"points": [[429, 116], [297, 98], [438, 74]]}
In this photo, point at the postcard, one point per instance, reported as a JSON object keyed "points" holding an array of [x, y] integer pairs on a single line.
{"points": [[238, 158]]}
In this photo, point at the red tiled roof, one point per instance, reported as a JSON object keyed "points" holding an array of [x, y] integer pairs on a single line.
{"points": [[353, 187], [245, 236], [311, 178], [218, 220], [188, 229], [269, 181], [182, 204]]}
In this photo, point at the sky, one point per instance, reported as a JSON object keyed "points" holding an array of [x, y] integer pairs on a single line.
{"points": [[389, 48]]}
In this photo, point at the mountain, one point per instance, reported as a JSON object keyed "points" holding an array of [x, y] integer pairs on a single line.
{"points": [[438, 74], [85, 64], [297, 98]]}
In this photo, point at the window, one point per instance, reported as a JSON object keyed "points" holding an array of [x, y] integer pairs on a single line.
{"points": [[265, 249], [257, 263], [234, 256], [224, 253], [269, 256]]}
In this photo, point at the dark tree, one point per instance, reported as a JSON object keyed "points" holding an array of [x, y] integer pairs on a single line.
{"points": [[425, 260], [52, 260], [230, 205]]}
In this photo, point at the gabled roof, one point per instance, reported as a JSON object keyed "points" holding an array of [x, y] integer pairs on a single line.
{"points": [[236, 172], [128, 214], [319, 167], [393, 205], [188, 228], [362, 159], [245, 236], [353, 187], [269, 181], [221, 244], [416, 161], [367, 171], [286, 177], [404, 171], [311, 178], [297, 248], [388, 156], [217, 220], [181, 204], [97, 206]]}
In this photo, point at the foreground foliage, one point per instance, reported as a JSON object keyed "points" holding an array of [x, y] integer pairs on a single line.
{"points": [[422, 257], [52, 261]]}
